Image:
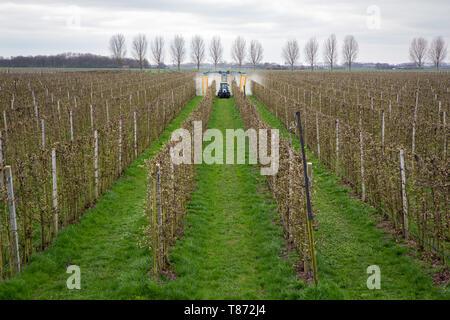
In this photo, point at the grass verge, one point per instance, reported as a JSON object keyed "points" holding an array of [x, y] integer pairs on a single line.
{"points": [[348, 242], [103, 244]]}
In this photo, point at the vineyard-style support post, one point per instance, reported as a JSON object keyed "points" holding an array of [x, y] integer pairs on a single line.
{"points": [[71, 125], [309, 171], [92, 116], [55, 189], [413, 140], [291, 173], [135, 135], [120, 146], [96, 163], [337, 145], [382, 127], [36, 113], [361, 152], [159, 215], [43, 134], [13, 219], [317, 134], [404, 196], [5, 124], [107, 112], [444, 123], [308, 201], [58, 108], [1, 161]]}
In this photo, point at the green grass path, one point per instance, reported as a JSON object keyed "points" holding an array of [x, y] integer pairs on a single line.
{"points": [[348, 242], [232, 242], [103, 244]]}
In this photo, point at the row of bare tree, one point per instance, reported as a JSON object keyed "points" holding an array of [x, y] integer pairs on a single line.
{"points": [[239, 51], [350, 49], [178, 50], [419, 51]]}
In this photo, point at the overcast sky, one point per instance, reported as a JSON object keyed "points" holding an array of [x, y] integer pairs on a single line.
{"points": [[383, 29]]}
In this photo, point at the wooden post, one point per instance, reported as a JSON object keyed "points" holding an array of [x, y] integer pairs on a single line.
{"points": [[382, 127], [1, 161], [159, 212], [92, 116], [361, 150], [337, 145], [444, 122], [96, 163], [120, 146], [71, 125], [107, 112], [36, 113], [317, 134], [59, 111], [291, 173], [5, 123], [404, 197], [55, 189], [309, 171], [12, 212], [413, 143], [43, 133], [135, 136]]}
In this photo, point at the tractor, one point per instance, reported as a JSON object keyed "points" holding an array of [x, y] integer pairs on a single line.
{"points": [[224, 89]]}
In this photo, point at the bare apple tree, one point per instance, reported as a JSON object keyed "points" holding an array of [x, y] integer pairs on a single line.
{"points": [[197, 50], [330, 51], [291, 53], [178, 50], [256, 53], [437, 51], [216, 50], [350, 51], [140, 45], [158, 51], [238, 50], [417, 51], [311, 48], [117, 48]]}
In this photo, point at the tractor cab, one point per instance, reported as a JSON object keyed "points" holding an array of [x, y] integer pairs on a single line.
{"points": [[224, 91]]}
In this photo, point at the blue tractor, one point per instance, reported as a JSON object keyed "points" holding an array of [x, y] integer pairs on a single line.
{"points": [[224, 89]]}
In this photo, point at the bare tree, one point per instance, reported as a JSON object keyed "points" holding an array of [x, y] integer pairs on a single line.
{"points": [[437, 51], [158, 51], [417, 51], [238, 50], [117, 48], [291, 53], [140, 45], [330, 51], [256, 53], [311, 48], [350, 50], [178, 50], [216, 50], [197, 50]]}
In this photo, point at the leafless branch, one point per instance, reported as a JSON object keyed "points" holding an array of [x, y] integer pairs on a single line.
{"points": [[216, 50], [256, 53], [350, 50], [117, 48], [178, 50], [291, 53]]}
